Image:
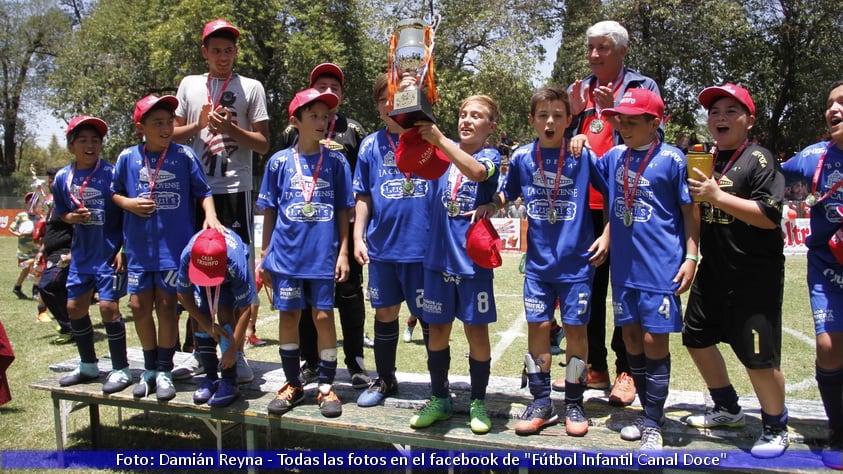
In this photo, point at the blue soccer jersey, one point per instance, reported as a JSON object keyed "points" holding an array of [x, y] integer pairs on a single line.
{"points": [[557, 240], [647, 253], [446, 252], [400, 212], [237, 286], [825, 218], [155, 243], [95, 243], [305, 241]]}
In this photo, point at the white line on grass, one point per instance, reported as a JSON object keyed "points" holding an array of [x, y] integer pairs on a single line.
{"points": [[809, 382], [515, 330]]}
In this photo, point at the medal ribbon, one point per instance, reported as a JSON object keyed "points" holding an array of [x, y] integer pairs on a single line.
{"points": [[307, 191], [629, 197], [213, 303], [216, 102], [81, 200], [731, 161], [153, 177], [457, 183], [560, 161], [815, 181]]}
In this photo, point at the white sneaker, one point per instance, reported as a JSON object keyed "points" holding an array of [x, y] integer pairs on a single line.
{"points": [[408, 333], [633, 432], [772, 443], [245, 374], [715, 417], [190, 367], [651, 439]]}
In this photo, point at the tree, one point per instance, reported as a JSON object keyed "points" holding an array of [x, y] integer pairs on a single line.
{"points": [[30, 36]]}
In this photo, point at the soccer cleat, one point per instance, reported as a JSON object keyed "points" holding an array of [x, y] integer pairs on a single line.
{"points": [[309, 374], [623, 393], [576, 424], [408, 333], [117, 381], [63, 338], [717, 417], [360, 380], [772, 443], [377, 391], [833, 454], [164, 388], [205, 391], [436, 409], [480, 421], [329, 404], [245, 374], [190, 367], [255, 341], [633, 432], [598, 380], [146, 384], [86, 372], [651, 439], [44, 317], [226, 393], [535, 418], [367, 341], [20, 294], [286, 398]]}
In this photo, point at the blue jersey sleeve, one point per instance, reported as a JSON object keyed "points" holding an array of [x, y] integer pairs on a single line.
{"points": [[268, 195]]}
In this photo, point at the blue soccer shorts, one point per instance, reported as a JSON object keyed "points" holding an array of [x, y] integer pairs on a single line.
{"points": [[109, 286], [447, 297], [658, 313], [540, 301], [165, 280], [391, 283], [290, 294]]}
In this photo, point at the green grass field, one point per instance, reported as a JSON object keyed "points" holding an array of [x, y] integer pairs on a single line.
{"points": [[31, 414]]}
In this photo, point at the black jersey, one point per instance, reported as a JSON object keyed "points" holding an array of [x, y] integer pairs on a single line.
{"points": [[730, 245]]}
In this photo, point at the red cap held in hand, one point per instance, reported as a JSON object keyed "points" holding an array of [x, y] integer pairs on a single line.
{"points": [[483, 244], [417, 156]]}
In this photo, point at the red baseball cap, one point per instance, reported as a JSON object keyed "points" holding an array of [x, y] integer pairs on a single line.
{"points": [[710, 94], [483, 244], [415, 155], [638, 101], [99, 124], [144, 105], [307, 96], [208, 259], [219, 25], [330, 69]]}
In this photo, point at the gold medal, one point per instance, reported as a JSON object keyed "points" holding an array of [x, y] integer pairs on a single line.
{"points": [[453, 209], [308, 210], [408, 187], [551, 216], [812, 199], [596, 126], [627, 218]]}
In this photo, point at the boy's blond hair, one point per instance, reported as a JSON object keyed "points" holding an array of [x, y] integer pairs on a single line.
{"points": [[489, 102]]}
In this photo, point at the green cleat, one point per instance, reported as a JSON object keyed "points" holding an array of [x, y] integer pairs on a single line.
{"points": [[480, 422], [437, 409]]}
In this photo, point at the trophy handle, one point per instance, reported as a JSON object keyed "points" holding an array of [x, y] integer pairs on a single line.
{"points": [[433, 20]]}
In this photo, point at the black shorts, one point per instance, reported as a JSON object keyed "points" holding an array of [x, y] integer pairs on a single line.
{"points": [[746, 315], [233, 211]]}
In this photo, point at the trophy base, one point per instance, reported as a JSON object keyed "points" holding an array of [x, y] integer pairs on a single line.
{"points": [[411, 106]]}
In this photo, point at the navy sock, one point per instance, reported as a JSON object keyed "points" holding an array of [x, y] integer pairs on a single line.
{"points": [[479, 372], [776, 421], [540, 387], [83, 334], [658, 384], [116, 331], [830, 384], [386, 347], [574, 392], [726, 397], [327, 371], [165, 359], [638, 372], [290, 364], [438, 364], [207, 348], [150, 359]]}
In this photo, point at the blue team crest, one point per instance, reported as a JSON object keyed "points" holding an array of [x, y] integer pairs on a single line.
{"points": [[389, 159], [833, 178], [641, 211], [295, 182], [163, 175], [564, 181], [642, 181]]}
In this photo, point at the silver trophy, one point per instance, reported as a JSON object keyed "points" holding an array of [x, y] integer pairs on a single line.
{"points": [[411, 52]]}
